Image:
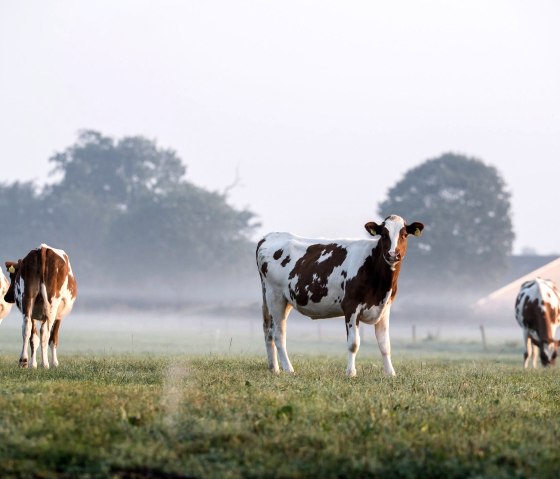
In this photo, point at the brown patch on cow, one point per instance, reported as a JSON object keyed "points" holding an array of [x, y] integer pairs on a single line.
{"points": [[533, 317], [286, 260], [264, 268], [371, 284], [278, 254], [259, 244], [313, 270], [353, 348], [53, 340], [9, 297]]}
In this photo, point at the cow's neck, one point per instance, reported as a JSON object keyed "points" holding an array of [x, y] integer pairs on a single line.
{"points": [[384, 278]]}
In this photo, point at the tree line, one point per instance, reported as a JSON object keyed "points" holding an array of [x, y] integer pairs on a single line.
{"points": [[125, 212]]}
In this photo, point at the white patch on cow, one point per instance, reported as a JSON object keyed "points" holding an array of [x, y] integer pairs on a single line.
{"points": [[18, 292], [59, 252], [394, 225], [44, 293], [375, 313], [549, 350], [324, 256], [4, 307]]}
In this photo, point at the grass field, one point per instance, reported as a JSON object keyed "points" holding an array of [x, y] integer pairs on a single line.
{"points": [[126, 415]]}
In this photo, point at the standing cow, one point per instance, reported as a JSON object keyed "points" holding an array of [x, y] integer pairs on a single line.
{"points": [[44, 289], [323, 278], [537, 310], [4, 306]]}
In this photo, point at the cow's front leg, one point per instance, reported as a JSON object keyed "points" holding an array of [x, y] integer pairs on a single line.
{"points": [[384, 342], [26, 332], [353, 343], [531, 353]]}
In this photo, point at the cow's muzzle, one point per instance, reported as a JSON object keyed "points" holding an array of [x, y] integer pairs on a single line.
{"points": [[392, 259]]}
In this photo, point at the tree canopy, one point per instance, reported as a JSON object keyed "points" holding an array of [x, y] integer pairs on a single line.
{"points": [[465, 206], [124, 211]]}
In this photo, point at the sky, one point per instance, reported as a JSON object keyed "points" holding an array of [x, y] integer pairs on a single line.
{"points": [[310, 110]]}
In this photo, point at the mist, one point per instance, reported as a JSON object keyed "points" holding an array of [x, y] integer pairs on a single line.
{"points": [[297, 117]]}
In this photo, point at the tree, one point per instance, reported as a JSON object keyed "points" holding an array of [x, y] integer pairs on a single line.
{"points": [[126, 210], [466, 208], [116, 172], [21, 210]]}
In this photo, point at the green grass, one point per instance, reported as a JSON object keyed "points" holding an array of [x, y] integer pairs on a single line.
{"points": [[227, 416]]}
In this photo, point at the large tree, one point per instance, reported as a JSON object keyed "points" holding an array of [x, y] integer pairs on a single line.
{"points": [[125, 212], [465, 206]]}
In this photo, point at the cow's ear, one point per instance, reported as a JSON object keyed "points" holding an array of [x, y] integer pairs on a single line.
{"points": [[373, 228], [415, 229]]}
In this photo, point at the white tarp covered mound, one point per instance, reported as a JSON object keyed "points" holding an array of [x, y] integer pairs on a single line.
{"points": [[502, 301]]}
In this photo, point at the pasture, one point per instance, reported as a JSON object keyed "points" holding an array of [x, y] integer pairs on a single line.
{"points": [[173, 405]]}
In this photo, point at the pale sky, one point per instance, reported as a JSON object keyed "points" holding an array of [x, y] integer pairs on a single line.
{"points": [[319, 106]]}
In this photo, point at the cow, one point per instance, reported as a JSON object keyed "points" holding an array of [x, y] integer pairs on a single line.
{"points": [[537, 310], [4, 306], [44, 289], [323, 278]]}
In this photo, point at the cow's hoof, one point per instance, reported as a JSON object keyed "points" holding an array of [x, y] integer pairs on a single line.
{"points": [[351, 373], [23, 363]]}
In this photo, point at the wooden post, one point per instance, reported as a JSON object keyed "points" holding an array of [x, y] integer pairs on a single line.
{"points": [[483, 334]]}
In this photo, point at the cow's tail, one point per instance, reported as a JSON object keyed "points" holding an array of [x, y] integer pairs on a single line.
{"points": [[43, 280]]}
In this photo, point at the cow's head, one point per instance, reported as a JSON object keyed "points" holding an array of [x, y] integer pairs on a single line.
{"points": [[394, 237], [13, 268], [549, 352]]}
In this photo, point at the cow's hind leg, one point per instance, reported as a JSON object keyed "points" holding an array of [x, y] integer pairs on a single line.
{"points": [[34, 345], [278, 310], [353, 341], [269, 340], [279, 321], [26, 334], [45, 344], [53, 342], [384, 342]]}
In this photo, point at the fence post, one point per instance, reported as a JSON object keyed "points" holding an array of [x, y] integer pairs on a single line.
{"points": [[483, 334]]}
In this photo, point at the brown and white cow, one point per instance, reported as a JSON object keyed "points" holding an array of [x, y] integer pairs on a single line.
{"points": [[44, 289], [324, 278], [537, 310], [4, 306]]}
